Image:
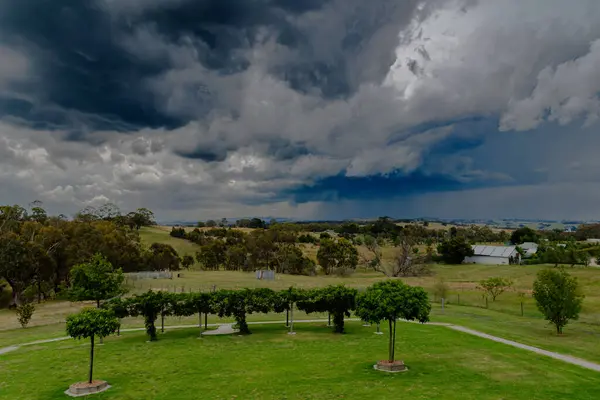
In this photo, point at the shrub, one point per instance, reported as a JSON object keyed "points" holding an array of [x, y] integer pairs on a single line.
{"points": [[24, 313]]}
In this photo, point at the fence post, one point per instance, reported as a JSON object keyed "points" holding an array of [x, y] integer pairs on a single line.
{"points": [[521, 309], [443, 303]]}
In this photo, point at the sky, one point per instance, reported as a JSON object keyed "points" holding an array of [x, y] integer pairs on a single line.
{"points": [[305, 109]]}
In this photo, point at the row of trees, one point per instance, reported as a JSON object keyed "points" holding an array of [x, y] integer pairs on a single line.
{"points": [[383, 301], [275, 249], [38, 251]]}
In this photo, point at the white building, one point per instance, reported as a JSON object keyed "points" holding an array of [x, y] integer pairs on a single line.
{"points": [[493, 255], [530, 249]]}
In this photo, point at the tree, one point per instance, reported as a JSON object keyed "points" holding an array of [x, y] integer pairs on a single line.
{"points": [[239, 303], [455, 250], [163, 257], [187, 261], [374, 261], [390, 300], [16, 265], [24, 313], [407, 260], [337, 257], [557, 296], [495, 286], [522, 235], [212, 255], [96, 280], [89, 323], [338, 300], [149, 305], [211, 223], [440, 289]]}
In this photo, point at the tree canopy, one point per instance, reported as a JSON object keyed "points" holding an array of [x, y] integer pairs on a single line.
{"points": [[392, 299], [454, 250], [558, 296], [91, 322], [96, 280]]}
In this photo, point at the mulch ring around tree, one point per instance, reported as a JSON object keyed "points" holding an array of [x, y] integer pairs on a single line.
{"points": [[86, 388]]}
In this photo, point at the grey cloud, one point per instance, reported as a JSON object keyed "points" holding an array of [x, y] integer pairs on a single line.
{"points": [[214, 104]]}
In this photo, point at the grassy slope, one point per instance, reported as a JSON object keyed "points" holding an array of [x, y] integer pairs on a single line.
{"points": [[314, 364], [149, 235]]}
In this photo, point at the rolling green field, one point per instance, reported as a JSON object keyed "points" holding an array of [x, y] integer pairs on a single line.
{"points": [[314, 364]]}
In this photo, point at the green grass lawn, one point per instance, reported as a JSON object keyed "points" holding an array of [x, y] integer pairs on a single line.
{"points": [[314, 364]]}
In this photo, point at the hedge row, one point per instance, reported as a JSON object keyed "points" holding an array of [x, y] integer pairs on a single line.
{"points": [[338, 300]]}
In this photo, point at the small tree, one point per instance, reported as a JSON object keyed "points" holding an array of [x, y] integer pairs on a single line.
{"points": [[96, 280], [337, 257], [24, 313], [390, 300], [338, 300], [149, 305], [89, 323], [163, 257], [239, 303], [187, 261], [557, 296], [440, 289], [455, 250], [495, 286]]}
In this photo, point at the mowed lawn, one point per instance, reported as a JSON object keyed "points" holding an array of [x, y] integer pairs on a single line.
{"points": [[314, 364]]}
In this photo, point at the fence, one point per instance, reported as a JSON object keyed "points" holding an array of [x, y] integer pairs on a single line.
{"points": [[268, 274], [150, 275]]}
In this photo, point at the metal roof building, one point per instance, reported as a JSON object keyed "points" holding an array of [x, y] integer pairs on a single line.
{"points": [[493, 255]]}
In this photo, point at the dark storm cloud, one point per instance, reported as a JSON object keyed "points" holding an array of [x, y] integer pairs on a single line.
{"points": [[80, 63], [225, 103]]}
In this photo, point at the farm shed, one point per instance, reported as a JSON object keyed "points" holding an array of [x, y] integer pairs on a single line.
{"points": [[493, 255]]}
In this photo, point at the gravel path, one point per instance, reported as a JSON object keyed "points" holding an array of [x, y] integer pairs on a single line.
{"points": [[568, 359]]}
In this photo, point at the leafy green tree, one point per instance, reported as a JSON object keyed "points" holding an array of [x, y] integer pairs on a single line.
{"points": [[558, 297], [338, 300], [187, 261], [522, 235], [141, 217], [455, 250], [390, 300], [236, 257], [201, 303], [495, 286], [337, 257], [24, 313], [239, 303], [96, 280], [90, 323], [149, 305], [212, 255], [163, 257], [211, 223], [16, 266]]}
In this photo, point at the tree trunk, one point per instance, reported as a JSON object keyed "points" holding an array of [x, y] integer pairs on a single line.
{"points": [[391, 344], [39, 291], [394, 342], [98, 306], [205, 321], [15, 300], [91, 359]]}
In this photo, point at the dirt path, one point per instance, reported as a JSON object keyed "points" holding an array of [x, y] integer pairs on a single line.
{"points": [[562, 357]]}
